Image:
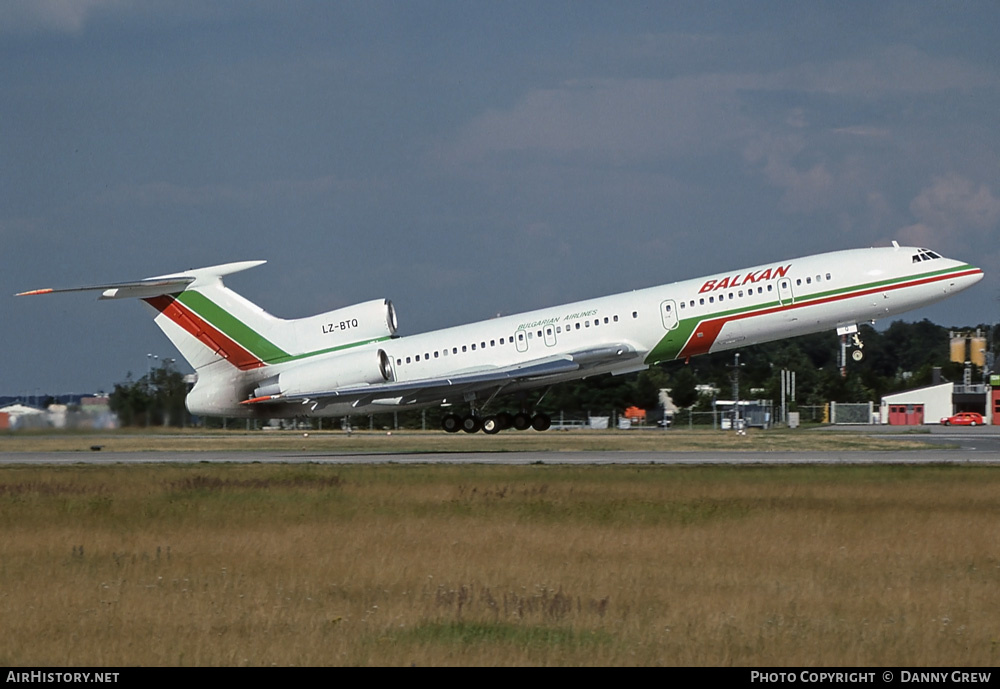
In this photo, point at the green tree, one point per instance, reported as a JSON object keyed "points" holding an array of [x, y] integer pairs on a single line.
{"points": [[155, 399]]}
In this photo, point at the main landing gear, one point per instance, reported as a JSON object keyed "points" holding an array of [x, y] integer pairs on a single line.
{"points": [[472, 423]]}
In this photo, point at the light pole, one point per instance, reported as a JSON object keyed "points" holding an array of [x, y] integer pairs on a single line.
{"points": [[736, 365]]}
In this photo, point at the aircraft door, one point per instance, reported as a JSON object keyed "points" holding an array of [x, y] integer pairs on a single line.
{"points": [[785, 294], [550, 335], [668, 312], [521, 340]]}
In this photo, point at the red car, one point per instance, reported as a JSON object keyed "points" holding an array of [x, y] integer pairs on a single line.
{"points": [[965, 418]]}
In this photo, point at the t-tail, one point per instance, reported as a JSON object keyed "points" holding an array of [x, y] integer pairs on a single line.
{"points": [[235, 345]]}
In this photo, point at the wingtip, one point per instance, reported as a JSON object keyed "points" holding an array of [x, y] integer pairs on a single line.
{"points": [[34, 291]]}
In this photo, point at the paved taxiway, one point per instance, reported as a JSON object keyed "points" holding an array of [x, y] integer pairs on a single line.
{"points": [[945, 446]]}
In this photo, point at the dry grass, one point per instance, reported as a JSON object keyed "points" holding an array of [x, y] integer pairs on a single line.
{"points": [[399, 565], [438, 441]]}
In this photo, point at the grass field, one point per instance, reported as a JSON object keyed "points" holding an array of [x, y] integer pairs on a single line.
{"points": [[268, 564]]}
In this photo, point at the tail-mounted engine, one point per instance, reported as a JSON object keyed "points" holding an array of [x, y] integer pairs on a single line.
{"points": [[370, 320], [329, 373]]}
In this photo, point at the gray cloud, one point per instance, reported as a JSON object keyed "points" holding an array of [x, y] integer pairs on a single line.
{"points": [[953, 210], [463, 163], [59, 16]]}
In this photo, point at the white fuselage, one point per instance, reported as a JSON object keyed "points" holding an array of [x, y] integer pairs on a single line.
{"points": [[683, 319]]}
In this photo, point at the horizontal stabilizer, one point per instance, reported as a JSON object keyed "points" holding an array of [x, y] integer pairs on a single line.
{"points": [[154, 286]]}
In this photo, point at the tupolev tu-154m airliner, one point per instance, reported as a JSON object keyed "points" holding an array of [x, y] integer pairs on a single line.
{"points": [[351, 361]]}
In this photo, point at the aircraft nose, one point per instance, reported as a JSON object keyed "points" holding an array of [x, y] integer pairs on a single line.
{"points": [[967, 278]]}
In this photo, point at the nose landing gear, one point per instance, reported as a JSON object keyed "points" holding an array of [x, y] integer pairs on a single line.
{"points": [[855, 341], [857, 354]]}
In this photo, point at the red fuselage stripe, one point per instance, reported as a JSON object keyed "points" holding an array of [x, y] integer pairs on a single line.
{"points": [[204, 332]]}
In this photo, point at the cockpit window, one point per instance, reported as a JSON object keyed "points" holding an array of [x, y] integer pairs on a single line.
{"points": [[925, 255]]}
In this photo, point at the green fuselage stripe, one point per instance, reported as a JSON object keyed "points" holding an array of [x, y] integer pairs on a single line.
{"points": [[239, 332], [349, 345], [247, 337]]}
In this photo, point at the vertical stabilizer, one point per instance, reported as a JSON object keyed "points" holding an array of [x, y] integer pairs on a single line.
{"points": [[211, 324]]}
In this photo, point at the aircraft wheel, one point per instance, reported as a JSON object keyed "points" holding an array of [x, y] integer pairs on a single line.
{"points": [[522, 421], [491, 425], [471, 424], [541, 422], [505, 420], [451, 423]]}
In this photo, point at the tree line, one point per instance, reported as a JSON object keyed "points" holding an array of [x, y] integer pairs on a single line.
{"points": [[156, 399]]}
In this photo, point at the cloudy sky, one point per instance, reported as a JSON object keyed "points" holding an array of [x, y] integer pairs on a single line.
{"points": [[472, 158]]}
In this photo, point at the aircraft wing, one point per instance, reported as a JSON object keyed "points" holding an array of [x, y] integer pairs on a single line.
{"points": [[527, 374]]}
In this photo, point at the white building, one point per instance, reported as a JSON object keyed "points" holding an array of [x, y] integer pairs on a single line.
{"points": [[920, 406]]}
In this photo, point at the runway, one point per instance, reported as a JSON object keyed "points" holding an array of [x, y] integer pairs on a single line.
{"points": [[915, 457], [955, 446]]}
